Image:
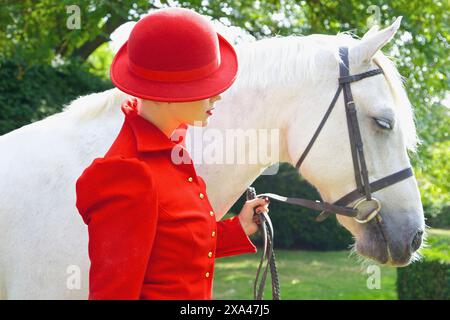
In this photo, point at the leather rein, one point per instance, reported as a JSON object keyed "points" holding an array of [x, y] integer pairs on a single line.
{"points": [[365, 208]]}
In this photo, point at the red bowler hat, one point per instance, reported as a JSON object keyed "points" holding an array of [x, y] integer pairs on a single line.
{"points": [[175, 55]]}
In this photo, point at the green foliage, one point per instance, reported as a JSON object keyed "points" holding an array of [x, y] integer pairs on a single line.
{"points": [[430, 278], [438, 246], [32, 93], [295, 226], [36, 32], [433, 176], [100, 61]]}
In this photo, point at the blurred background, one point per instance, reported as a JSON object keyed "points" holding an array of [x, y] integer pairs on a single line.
{"points": [[51, 52]]}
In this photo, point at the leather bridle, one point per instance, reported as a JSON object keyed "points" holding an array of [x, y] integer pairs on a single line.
{"points": [[365, 208]]}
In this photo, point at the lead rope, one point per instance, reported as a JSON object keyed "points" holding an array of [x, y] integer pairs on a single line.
{"points": [[268, 252], [267, 228]]}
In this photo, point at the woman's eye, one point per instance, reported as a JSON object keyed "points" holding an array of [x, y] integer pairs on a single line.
{"points": [[383, 123]]}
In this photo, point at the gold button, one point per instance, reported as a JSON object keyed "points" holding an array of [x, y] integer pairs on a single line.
{"points": [[190, 179], [211, 213], [207, 274], [213, 234], [202, 195], [210, 254]]}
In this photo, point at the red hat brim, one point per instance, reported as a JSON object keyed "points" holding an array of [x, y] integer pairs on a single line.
{"points": [[181, 91]]}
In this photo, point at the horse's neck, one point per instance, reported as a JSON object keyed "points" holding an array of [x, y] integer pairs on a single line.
{"points": [[286, 109], [238, 110]]}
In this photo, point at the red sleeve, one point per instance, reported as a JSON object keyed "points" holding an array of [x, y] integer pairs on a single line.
{"points": [[117, 200], [231, 239]]}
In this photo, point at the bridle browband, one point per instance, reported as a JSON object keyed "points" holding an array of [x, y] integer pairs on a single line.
{"points": [[366, 206]]}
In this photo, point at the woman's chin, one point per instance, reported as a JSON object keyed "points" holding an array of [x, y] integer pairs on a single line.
{"points": [[202, 123], [199, 122]]}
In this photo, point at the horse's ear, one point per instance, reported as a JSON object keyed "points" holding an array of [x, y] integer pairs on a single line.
{"points": [[371, 31], [120, 35], [373, 41]]}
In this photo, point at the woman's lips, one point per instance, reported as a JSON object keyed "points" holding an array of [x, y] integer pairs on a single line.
{"points": [[209, 111]]}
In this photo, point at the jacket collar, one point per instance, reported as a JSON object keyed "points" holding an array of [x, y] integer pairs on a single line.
{"points": [[149, 137]]}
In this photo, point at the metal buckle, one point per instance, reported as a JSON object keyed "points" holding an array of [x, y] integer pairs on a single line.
{"points": [[367, 210]]}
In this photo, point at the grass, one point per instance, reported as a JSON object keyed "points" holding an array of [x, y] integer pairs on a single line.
{"points": [[303, 275], [439, 232], [438, 245]]}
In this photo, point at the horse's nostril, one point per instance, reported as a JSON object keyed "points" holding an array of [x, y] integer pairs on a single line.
{"points": [[417, 241]]}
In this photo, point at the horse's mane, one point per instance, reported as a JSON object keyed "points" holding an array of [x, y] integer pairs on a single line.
{"points": [[404, 107], [91, 106], [298, 53]]}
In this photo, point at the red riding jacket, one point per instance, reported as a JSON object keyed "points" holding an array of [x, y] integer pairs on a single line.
{"points": [[152, 230]]}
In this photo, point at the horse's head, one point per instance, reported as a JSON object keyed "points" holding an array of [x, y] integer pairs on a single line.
{"points": [[387, 128]]}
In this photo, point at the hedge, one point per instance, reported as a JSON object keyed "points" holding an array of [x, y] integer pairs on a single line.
{"points": [[428, 279], [31, 93]]}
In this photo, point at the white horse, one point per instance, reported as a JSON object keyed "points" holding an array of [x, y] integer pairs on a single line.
{"points": [[286, 83]]}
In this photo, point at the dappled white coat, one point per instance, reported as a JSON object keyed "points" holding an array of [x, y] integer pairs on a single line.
{"points": [[284, 83]]}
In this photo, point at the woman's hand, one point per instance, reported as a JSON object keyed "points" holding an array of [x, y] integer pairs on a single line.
{"points": [[248, 221]]}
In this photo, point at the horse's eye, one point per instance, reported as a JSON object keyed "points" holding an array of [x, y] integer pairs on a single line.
{"points": [[383, 123]]}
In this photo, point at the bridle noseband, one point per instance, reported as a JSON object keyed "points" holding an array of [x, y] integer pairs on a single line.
{"points": [[366, 206]]}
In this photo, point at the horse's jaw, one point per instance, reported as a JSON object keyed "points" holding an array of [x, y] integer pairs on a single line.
{"points": [[378, 242]]}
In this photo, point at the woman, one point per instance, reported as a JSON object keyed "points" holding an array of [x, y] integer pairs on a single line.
{"points": [[152, 231]]}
